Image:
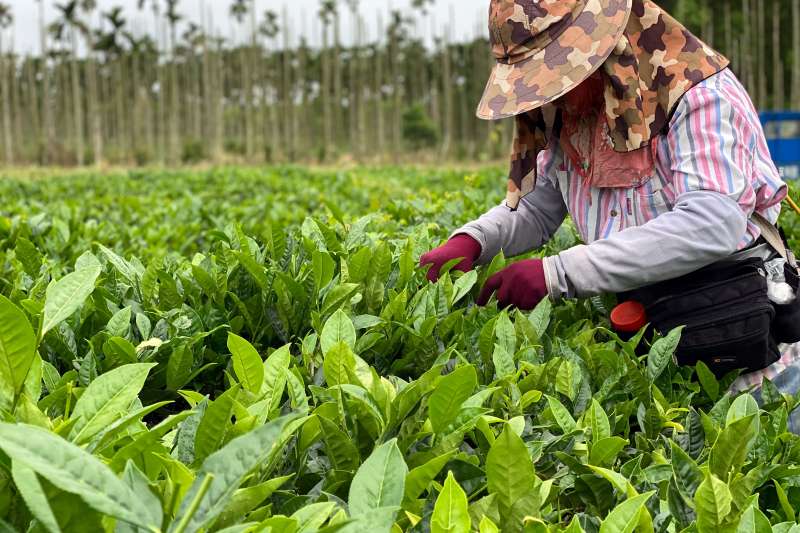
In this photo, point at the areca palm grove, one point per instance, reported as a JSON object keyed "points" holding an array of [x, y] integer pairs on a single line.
{"points": [[274, 89]]}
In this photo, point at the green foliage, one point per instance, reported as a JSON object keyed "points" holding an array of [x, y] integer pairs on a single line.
{"points": [[193, 151], [164, 369], [419, 131]]}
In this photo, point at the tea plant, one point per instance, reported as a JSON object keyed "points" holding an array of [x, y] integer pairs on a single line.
{"points": [[245, 350]]}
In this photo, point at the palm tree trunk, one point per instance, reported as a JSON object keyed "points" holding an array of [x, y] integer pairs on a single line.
{"points": [[32, 91], [208, 101], [104, 93], [796, 53], [197, 100], [379, 81], [48, 133], [363, 83], [480, 58], [138, 108], [246, 106], [219, 99], [267, 126], [16, 104], [121, 98], [93, 103], [728, 22], [77, 106], [150, 123], [271, 139], [746, 48], [161, 111], [338, 119], [397, 98], [5, 74], [66, 124], [294, 84], [301, 116], [707, 31], [777, 62], [94, 112], [249, 76], [447, 87], [256, 85], [352, 97], [64, 121], [325, 89], [174, 104], [761, 12], [288, 104]]}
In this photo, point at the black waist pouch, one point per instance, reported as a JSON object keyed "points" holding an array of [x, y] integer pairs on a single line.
{"points": [[726, 312]]}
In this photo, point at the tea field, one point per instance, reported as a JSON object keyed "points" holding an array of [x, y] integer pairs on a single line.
{"points": [[250, 350]]}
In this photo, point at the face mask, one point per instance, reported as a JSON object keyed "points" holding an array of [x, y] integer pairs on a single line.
{"points": [[585, 99]]}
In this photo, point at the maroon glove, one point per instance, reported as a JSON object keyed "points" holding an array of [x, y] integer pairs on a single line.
{"points": [[461, 245], [521, 285]]}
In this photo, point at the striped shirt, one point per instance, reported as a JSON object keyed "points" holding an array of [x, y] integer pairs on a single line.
{"points": [[721, 149]]}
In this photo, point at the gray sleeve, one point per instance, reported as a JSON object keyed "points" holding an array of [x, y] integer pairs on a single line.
{"points": [[703, 227], [515, 232]]}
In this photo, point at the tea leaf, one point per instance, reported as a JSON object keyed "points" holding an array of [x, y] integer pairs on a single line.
{"points": [[597, 420], [511, 477], [67, 295], [419, 478], [73, 470], [561, 415], [338, 328], [686, 473], [34, 496], [503, 362], [339, 364], [450, 514], [540, 317], [247, 364], [106, 399], [463, 286], [661, 353], [707, 380], [223, 472], [379, 481], [626, 516], [451, 392], [754, 521], [713, 503], [214, 424], [17, 344], [732, 445]]}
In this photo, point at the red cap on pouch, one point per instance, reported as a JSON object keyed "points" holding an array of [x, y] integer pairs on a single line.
{"points": [[629, 317]]}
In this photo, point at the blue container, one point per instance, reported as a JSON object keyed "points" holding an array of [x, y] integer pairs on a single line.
{"points": [[783, 137]]}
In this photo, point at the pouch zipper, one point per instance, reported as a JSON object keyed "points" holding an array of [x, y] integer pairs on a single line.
{"points": [[746, 310], [759, 271]]}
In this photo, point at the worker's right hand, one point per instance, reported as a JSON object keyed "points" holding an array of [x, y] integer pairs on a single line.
{"points": [[460, 246]]}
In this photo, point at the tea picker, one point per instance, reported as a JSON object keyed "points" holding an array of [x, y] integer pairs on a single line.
{"points": [[643, 135]]}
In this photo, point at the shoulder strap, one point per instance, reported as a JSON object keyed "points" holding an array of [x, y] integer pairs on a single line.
{"points": [[773, 237]]}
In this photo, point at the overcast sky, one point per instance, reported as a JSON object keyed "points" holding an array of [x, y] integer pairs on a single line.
{"points": [[464, 16]]}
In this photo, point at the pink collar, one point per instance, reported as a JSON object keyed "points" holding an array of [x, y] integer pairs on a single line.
{"points": [[587, 144]]}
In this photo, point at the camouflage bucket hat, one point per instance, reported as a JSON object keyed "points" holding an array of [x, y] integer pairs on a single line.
{"points": [[545, 48], [651, 63]]}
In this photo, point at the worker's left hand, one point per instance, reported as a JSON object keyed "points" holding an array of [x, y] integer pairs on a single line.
{"points": [[521, 285]]}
